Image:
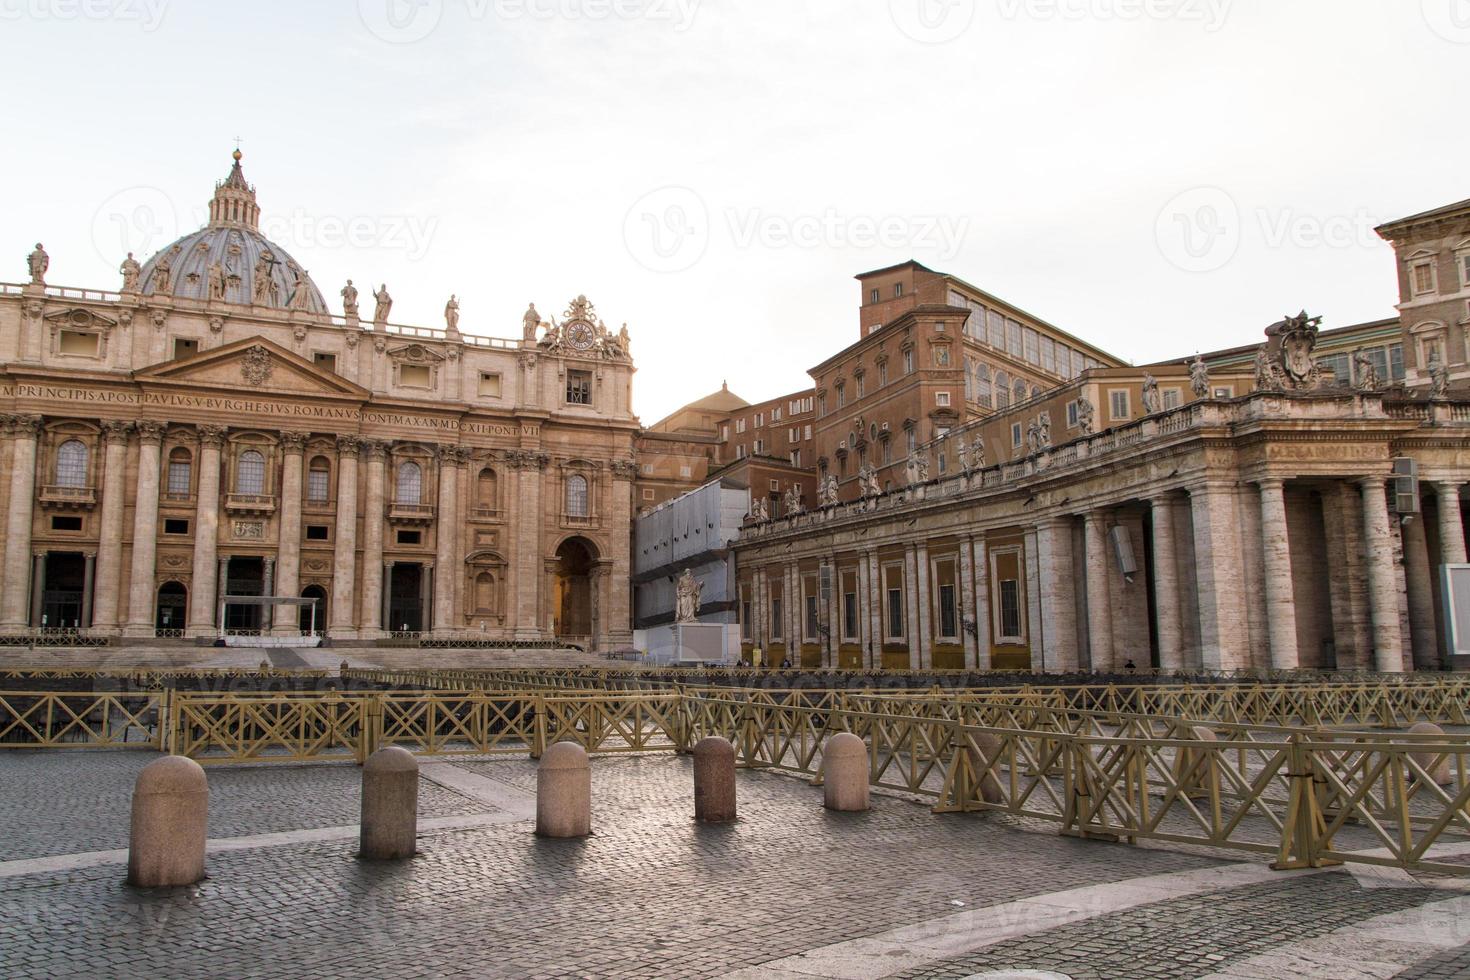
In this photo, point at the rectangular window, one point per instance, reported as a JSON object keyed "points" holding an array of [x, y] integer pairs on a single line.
{"points": [[78, 344], [1032, 342], [175, 525], [1396, 362], [841, 395], [849, 607], [739, 426], [776, 617], [66, 523], [895, 614], [897, 290], [178, 479], [860, 386], [316, 532], [948, 613], [1013, 338], [760, 447], [1224, 392], [775, 415], [410, 537], [811, 618], [490, 384], [725, 433], [941, 399], [745, 619], [579, 388], [415, 376], [1010, 609], [1172, 398], [1118, 404], [1049, 355], [807, 432], [1072, 415], [882, 373], [995, 325], [1015, 435], [908, 362], [887, 451], [647, 493], [185, 348], [873, 296], [1423, 278], [327, 362], [1339, 364], [796, 457], [316, 486], [760, 419]]}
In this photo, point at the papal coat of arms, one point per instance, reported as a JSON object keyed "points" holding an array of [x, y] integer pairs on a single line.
{"points": [[256, 367]]}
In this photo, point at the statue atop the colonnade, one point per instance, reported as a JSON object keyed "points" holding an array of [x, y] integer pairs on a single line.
{"points": [[384, 307], [868, 481], [1295, 341], [686, 608], [1439, 375], [530, 323], [349, 299], [760, 511], [827, 491], [793, 500], [1199, 377], [130, 270], [1151, 403], [1365, 372], [1086, 416], [38, 262]]}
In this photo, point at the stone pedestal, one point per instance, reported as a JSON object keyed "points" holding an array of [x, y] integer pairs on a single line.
{"points": [[564, 792], [714, 781], [170, 823], [390, 805]]}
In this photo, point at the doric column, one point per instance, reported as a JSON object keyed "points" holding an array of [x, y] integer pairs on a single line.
{"points": [[1224, 631], [834, 611], [221, 589], [374, 616], [107, 597], [982, 605], [446, 538], [875, 611], [426, 595], [619, 609], [1451, 524], [145, 530], [1099, 597], [526, 522], [268, 585], [1419, 581], [1280, 594], [385, 610], [1166, 584], [344, 550], [14, 611], [1059, 651], [967, 599], [911, 604], [288, 545], [1388, 651], [925, 641], [38, 590], [203, 591], [89, 582]]}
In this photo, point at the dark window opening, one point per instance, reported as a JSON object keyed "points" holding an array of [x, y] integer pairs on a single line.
{"points": [[175, 525], [410, 537], [66, 523], [316, 532]]}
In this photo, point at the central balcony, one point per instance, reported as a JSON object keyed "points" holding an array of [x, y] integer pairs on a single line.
{"points": [[69, 498], [250, 503], [399, 513]]}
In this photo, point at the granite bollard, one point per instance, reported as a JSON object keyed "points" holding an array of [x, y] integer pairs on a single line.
{"points": [[170, 824], [390, 805], [714, 781], [564, 792], [1440, 771], [845, 773]]}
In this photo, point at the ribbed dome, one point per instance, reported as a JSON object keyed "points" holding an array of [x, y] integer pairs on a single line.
{"points": [[229, 260]]}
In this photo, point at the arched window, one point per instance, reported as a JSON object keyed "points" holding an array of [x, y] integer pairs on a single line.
{"points": [[1002, 390], [250, 477], [410, 484], [180, 467], [487, 492], [318, 480], [71, 464], [1020, 390], [484, 593], [576, 496]]}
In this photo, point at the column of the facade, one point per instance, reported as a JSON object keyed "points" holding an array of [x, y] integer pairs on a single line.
{"points": [[202, 590], [1420, 581], [1451, 524], [221, 589], [385, 600], [446, 538], [527, 524], [1280, 594], [89, 582], [14, 610], [833, 642], [288, 546], [38, 591], [373, 619], [343, 616], [911, 604], [106, 599], [875, 611], [428, 582], [924, 649], [967, 600], [1036, 628], [1059, 651], [145, 530], [1388, 654], [1099, 598], [619, 611], [1224, 633], [982, 605], [1166, 585]]}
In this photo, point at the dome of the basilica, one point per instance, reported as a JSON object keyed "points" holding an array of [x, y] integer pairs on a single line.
{"points": [[230, 261]]}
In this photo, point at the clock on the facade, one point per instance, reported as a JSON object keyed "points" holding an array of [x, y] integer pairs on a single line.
{"points": [[580, 336]]}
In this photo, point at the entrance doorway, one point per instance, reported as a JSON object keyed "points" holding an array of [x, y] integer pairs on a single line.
{"points": [[244, 576], [320, 621], [405, 599], [574, 588], [173, 599], [61, 602]]}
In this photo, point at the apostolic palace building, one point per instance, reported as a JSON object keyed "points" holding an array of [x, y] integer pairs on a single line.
{"points": [[963, 485]]}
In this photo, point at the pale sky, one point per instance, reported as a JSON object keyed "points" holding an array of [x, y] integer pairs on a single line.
{"points": [[1156, 176]]}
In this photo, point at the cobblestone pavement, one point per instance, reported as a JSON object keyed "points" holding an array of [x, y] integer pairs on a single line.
{"points": [[650, 894]]}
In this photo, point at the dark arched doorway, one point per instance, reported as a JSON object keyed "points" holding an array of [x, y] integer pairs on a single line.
{"points": [[574, 588], [173, 599], [306, 621]]}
